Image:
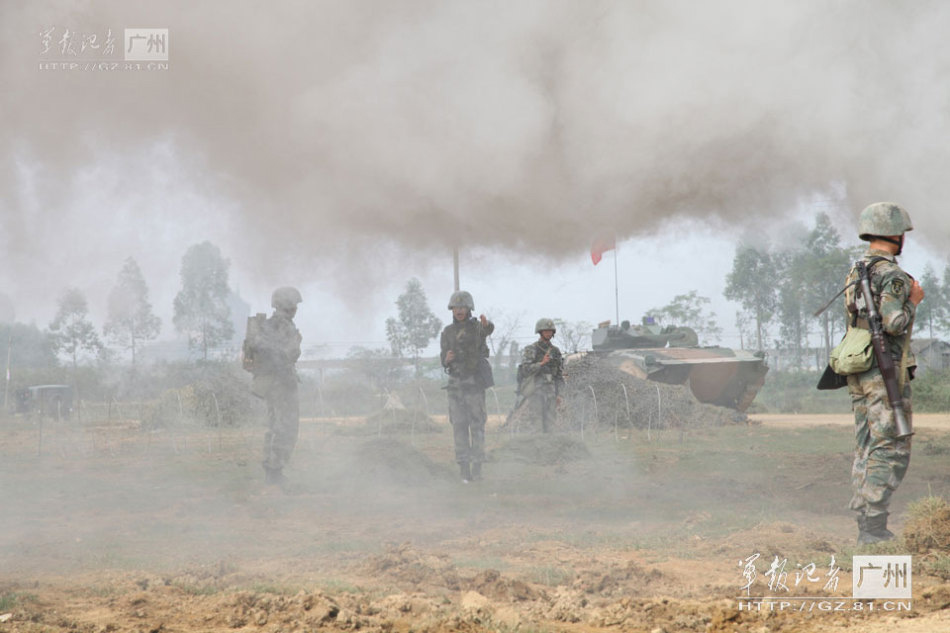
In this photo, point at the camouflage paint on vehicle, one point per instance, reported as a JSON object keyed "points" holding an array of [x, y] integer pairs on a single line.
{"points": [[716, 375]]}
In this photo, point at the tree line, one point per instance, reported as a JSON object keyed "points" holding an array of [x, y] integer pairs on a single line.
{"points": [[201, 313], [778, 287], [781, 287]]}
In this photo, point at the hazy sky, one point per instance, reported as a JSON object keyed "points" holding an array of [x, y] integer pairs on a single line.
{"points": [[345, 147]]}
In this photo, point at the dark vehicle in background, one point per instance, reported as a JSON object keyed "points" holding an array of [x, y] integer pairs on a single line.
{"points": [[716, 375], [50, 401]]}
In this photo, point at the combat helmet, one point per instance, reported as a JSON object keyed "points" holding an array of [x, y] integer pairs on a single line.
{"points": [[287, 298], [883, 219], [544, 324], [461, 299]]}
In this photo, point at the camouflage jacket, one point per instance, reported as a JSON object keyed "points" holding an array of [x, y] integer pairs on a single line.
{"points": [[532, 369], [277, 347], [890, 286], [467, 339]]}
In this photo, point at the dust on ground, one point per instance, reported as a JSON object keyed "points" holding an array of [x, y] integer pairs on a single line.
{"points": [[112, 528]]}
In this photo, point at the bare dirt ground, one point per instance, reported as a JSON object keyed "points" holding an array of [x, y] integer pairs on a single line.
{"points": [[112, 528]]}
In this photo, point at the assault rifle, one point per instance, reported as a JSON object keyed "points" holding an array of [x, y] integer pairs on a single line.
{"points": [[885, 361], [526, 382]]}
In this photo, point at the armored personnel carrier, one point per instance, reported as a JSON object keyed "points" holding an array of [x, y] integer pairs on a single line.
{"points": [[715, 375]]}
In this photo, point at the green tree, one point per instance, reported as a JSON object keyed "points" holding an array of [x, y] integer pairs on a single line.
{"points": [[689, 310], [820, 272], [931, 310], [130, 319], [752, 284], [937, 300], [791, 313], [72, 332], [415, 326], [29, 347], [201, 306]]}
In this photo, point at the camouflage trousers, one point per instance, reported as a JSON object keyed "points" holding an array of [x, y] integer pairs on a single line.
{"points": [[283, 423], [468, 415], [539, 410], [880, 459]]}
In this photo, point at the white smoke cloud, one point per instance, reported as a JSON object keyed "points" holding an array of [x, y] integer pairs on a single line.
{"points": [[311, 135]]}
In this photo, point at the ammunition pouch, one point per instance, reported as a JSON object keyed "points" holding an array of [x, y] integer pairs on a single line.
{"points": [[483, 374], [831, 380], [854, 354]]}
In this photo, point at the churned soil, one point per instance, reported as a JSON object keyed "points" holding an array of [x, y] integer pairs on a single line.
{"points": [[110, 527]]}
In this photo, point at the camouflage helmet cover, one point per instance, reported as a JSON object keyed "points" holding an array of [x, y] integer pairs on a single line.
{"points": [[286, 297], [461, 299], [883, 219], [544, 324]]}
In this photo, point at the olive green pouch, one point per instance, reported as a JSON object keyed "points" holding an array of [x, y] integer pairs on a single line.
{"points": [[854, 354]]}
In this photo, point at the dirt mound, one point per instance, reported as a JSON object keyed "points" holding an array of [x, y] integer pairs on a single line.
{"points": [[400, 421], [250, 608], [405, 567], [616, 579], [772, 540], [542, 450], [597, 393], [393, 461], [492, 584]]}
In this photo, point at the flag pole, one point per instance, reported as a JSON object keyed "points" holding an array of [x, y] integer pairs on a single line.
{"points": [[455, 264], [616, 288]]}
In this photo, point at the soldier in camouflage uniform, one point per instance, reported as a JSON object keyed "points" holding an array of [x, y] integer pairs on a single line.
{"points": [[880, 457], [273, 353], [465, 359], [540, 376]]}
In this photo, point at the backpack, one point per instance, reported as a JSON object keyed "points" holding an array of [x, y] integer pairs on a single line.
{"points": [[255, 324]]}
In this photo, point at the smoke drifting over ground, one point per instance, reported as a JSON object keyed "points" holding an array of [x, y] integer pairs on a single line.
{"points": [[322, 130]]}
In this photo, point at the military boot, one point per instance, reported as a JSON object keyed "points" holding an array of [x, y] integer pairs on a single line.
{"points": [[476, 471], [873, 529], [466, 472]]}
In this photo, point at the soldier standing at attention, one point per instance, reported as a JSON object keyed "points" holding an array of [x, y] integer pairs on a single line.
{"points": [[540, 376], [881, 457], [465, 359], [271, 351]]}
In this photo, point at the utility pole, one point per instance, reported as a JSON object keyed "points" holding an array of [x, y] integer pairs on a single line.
{"points": [[455, 262], [6, 385]]}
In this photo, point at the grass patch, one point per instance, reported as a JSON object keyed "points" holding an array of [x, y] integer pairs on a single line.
{"points": [[335, 585], [481, 563], [928, 527], [938, 566], [8, 600], [549, 576], [273, 589], [195, 589]]}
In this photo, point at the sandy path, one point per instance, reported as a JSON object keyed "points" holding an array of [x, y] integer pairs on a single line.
{"points": [[921, 420]]}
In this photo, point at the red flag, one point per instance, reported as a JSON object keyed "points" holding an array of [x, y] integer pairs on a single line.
{"points": [[600, 246]]}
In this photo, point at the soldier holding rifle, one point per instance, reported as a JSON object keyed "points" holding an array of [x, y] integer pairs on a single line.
{"points": [[271, 350], [881, 395], [540, 377]]}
